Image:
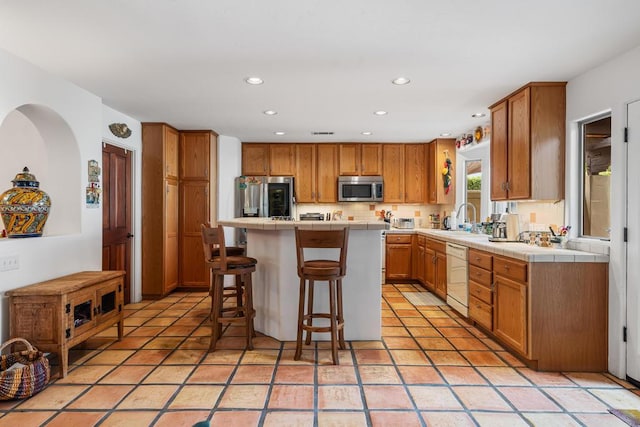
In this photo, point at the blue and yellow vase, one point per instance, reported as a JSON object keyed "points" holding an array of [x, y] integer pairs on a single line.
{"points": [[24, 208]]}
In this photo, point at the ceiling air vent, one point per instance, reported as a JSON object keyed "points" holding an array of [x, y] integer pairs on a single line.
{"points": [[322, 133]]}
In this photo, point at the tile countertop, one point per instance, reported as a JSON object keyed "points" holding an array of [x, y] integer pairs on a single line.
{"points": [[520, 251], [269, 224]]}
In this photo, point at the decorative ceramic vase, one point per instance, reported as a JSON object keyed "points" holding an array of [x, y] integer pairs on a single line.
{"points": [[24, 208]]}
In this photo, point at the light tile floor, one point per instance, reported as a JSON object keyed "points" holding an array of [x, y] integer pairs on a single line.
{"points": [[431, 368]]}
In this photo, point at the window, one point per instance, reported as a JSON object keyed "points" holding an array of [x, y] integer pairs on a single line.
{"points": [[595, 137]]}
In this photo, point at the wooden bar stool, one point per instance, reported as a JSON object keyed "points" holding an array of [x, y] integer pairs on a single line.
{"points": [[221, 265], [321, 270], [229, 291]]}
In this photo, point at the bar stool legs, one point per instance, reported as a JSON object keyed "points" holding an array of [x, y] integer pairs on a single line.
{"points": [[335, 317]]}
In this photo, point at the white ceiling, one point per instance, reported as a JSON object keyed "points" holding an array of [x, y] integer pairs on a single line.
{"points": [[327, 65]]}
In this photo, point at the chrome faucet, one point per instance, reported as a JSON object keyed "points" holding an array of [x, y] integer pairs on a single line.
{"points": [[471, 219]]}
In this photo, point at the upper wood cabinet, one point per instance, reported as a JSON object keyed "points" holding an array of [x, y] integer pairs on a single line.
{"points": [[282, 159], [439, 150], [528, 143], [415, 173], [194, 154], [327, 173], [393, 172], [305, 175], [360, 159], [255, 159], [171, 138]]}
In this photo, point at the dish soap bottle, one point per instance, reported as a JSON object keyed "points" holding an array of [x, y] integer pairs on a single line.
{"points": [[453, 223]]}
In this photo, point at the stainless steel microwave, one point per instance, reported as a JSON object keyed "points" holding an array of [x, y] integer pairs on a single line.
{"points": [[360, 189]]}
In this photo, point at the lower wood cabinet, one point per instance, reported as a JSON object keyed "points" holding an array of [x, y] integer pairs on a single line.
{"points": [[510, 313], [481, 288], [57, 314], [398, 257]]}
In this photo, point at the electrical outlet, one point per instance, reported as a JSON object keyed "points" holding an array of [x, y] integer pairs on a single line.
{"points": [[10, 262]]}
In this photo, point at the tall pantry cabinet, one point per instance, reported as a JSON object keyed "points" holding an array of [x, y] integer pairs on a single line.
{"points": [[178, 172], [159, 209]]}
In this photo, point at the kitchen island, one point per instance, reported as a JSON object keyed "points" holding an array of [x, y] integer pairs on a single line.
{"points": [[276, 283]]}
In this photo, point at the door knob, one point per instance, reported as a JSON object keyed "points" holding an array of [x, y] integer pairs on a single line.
{"points": [[129, 235]]}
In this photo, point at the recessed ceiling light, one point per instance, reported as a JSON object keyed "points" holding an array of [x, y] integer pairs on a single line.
{"points": [[380, 113], [478, 115], [270, 112], [254, 80], [279, 133], [400, 81], [445, 134], [366, 132]]}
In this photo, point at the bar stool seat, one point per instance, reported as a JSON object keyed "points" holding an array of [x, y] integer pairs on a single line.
{"points": [[241, 267], [331, 271]]}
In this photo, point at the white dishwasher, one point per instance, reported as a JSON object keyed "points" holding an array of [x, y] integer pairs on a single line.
{"points": [[457, 278]]}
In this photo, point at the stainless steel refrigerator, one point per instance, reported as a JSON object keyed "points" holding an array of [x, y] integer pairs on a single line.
{"points": [[263, 196]]}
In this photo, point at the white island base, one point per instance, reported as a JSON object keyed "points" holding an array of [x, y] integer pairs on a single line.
{"points": [[276, 284]]}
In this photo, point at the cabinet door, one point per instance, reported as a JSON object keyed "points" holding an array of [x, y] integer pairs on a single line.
{"points": [[255, 159], [441, 275], [432, 189], [393, 172], [444, 149], [398, 261], [194, 155], [419, 263], [282, 159], [430, 269], [349, 159], [194, 211], [510, 313], [305, 173], [109, 300], [327, 173], [499, 158], [170, 258], [171, 139], [519, 151], [415, 173], [371, 159], [82, 313]]}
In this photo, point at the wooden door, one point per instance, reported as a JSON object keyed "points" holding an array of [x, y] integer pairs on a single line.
{"points": [[371, 159], [510, 313], [415, 172], [398, 261], [393, 172], [171, 141], [349, 159], [194, 155], [171, 244], [441, 275], [255, 159], [327, 173], [519, 151], [282, 159], [116, 213], [499, 158], [194, 211], [305, 181]]}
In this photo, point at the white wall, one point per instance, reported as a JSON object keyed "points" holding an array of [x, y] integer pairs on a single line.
{"points": [[229, 167], [134, 144], [41, 258], [608, 87]]}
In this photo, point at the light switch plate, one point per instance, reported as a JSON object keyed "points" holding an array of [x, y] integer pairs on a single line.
{"points": [[10, 262]]}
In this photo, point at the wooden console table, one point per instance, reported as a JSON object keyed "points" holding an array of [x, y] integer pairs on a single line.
{"points": [[57, 314]]}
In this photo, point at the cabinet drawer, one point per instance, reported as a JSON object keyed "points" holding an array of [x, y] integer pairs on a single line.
{"points": [[480, 292], [399, 238], [437, 246], [511, 268], [481, 312], [481, 259], [484, 277]]}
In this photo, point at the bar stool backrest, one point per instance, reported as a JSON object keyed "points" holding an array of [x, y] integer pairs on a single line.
{"points": [[213, 241], [330, 239]]}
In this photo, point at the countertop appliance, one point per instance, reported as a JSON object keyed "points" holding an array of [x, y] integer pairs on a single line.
{"points": [[506, 229], [312, 216], [360, 189], [404, 223], [263, 196], [458, 278]]}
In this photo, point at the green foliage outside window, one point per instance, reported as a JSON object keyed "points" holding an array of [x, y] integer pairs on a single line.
{"points": [[473, 182]]}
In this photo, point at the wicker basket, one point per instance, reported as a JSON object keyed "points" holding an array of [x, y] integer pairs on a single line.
{"points": [[24, 381]]}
